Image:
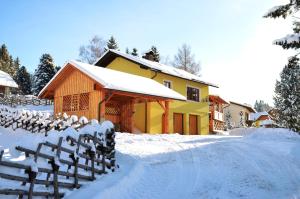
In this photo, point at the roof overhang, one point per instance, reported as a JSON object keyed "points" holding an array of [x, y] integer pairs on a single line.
{"points": [[110, 55]]}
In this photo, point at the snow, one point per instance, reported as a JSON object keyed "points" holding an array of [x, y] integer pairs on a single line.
{"points": [[288, 39], [255, 163], [255, 116], [120, 81], [160, 67], [7, 80]]}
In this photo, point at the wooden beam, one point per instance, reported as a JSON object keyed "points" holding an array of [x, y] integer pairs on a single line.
{"points": [[166, 117], [102, 105]]}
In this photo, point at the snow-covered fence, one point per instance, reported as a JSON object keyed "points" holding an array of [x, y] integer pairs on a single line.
{"points": [[39, 122], [16, 100], [62, 160]]}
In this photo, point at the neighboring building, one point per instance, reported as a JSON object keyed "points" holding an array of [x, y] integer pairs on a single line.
{"points": [[261, 119], [216, 116], [186, 117], [99, 93], [237, 115], [6, 83]]}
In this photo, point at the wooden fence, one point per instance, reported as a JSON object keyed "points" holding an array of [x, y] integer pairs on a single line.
{"points": [[20, 100], [71, 160]]}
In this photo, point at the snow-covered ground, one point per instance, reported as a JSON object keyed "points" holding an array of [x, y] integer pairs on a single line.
{"points": [[265, 163], [252, 163]]}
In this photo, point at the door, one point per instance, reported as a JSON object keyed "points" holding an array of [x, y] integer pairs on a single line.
{"points": [[178, 123], [193, 121]]}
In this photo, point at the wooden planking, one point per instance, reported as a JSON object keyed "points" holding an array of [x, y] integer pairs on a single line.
{"points": [[193, 124], [178, 123]]}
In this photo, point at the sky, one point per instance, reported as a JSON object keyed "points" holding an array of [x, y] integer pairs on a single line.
{"points": [[230, 38]]}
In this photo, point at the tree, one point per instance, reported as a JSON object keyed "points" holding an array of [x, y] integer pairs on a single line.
{"points": [[43, 74], [7, 63], [261, 106], [23, 80], [152, 54], [127, 51], [185, 60], [16, 66], [134, 52], [291, 41], [94, 50], [287, 95], [112, 44]]}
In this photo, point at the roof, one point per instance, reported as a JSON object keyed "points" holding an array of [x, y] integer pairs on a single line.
{"points": [[110, 55], [256, 116], [120, 81], [218, 99], [7, 80], [249, 107]]}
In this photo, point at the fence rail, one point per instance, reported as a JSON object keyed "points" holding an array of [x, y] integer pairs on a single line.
{"points": [[70, 159]]}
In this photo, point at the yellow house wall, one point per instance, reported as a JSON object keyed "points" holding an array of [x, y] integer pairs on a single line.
{"points": [[154, 111]]}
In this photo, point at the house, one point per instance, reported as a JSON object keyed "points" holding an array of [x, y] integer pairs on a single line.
{"points": [[185, 117], [6, 83], [216, 116], [99, 93], [237, 114], [261, 119]]}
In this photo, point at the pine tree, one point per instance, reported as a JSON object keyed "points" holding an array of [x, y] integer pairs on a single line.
{"points": [[261, 106], [152, 54], [23, 80], [112, 44], [5, 59], [134, 52], [127, 51], [287, 95], [16, 66], [43, 74]]}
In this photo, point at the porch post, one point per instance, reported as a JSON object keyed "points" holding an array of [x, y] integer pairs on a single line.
{"points": [[166, 117], [102, 105], [131, 112]]}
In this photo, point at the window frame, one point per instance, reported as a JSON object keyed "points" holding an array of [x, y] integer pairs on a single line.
{"points": [[199, 93], [171, 83]]}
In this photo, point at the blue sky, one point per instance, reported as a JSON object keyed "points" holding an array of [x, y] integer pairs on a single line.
{"points": [[217, 31]]}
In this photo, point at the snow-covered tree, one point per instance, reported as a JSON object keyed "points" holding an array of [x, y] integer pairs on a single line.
{"points": [[43, 74], [287, 95], [23, 80], [185, 60], [261, 106], [134, 52], [291, 41], [112, 44], [91, 52]]}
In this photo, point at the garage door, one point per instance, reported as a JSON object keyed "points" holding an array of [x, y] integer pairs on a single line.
{"points": [[193, 124], [178, 123]]}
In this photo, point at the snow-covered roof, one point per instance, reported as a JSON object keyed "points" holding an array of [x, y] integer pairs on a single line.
{"points": [[116, 80], [7, 80], [255, 116], [248, 106], [170, 70]]}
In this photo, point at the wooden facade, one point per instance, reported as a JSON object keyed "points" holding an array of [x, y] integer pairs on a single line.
{"points": [[76, 93], [216, 116]]}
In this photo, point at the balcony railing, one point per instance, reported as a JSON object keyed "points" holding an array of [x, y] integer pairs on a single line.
{"points": [[218, 116]]}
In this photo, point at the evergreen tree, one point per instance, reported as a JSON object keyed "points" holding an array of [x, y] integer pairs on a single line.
{"points": [[261, 106], [16, 66], [185, 60], [5, 59], [23, 80], [112, 44], [43, 74], [287, 95], [134, 52], [152, 54], [127, 51]]}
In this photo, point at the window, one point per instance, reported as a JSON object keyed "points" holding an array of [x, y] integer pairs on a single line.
{"points": [[193, 94], [167, 84], [76, 102]]}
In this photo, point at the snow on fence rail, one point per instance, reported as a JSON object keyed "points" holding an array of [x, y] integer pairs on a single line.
{"points": [[64, 159], [16, 100]]}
